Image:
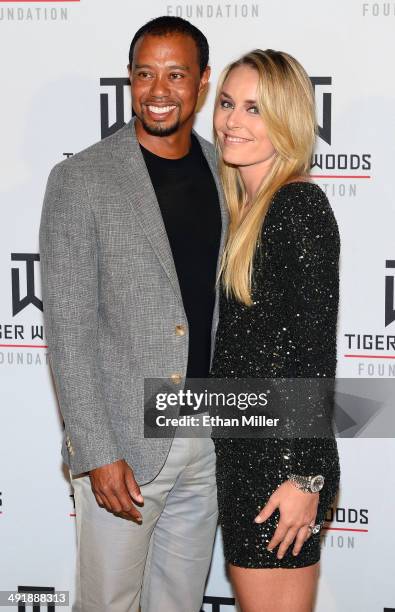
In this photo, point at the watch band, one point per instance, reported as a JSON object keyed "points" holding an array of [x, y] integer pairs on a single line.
{"points": [[307, 484]]}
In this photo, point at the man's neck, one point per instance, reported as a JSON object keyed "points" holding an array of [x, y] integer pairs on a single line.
{"points": [[171, 147]]}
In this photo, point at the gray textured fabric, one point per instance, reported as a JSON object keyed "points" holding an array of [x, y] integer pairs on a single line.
{"points": [[111, 301]]}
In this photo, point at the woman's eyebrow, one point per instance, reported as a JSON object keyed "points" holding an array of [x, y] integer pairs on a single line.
{"points": [[226, 95]]}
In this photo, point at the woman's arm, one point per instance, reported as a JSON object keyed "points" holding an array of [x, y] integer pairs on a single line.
{"points": [[311, 247]]}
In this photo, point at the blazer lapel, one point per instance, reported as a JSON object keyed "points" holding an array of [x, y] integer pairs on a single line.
{"points": [[138, 189], [212, 162]]}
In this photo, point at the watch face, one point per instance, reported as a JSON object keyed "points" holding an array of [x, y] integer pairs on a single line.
{"points": [[317, 482]]}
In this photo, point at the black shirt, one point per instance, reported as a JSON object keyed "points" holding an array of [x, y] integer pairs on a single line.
{"points": [[188, 200]]}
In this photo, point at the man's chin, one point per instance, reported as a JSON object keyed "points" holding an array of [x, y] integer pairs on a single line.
{"points": [[158, 129]]}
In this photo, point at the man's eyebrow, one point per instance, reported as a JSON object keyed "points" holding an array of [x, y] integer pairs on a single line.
{"points": [[174, 67], [179, 67], [226, 95]]}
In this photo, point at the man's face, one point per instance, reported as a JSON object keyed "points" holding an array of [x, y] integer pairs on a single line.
{"points": [[166, 82]]}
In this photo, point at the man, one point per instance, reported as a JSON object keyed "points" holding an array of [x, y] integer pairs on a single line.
{"points": [[131, 234]]}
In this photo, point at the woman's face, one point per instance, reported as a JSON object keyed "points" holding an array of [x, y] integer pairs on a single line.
{"points": [[240, 129]]}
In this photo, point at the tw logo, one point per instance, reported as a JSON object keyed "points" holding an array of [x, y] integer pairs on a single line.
{"points": [[119, 96], [389, 293], [19, 303], [324, 103]]}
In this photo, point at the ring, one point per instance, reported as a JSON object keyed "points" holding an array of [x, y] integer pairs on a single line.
{"points": [[314, 528]]}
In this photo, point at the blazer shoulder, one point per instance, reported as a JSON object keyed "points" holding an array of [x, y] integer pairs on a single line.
{"points": [[95, 153], [94, 159], [99, 153]]}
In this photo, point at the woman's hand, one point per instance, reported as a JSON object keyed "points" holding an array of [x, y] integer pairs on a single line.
{"points": [[297, 511]]}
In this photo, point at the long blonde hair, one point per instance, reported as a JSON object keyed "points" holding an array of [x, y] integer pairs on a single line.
{"points": [[285, 100]]}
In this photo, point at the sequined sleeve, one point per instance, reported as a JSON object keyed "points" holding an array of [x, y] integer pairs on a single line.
{"points": [[311, 251]]}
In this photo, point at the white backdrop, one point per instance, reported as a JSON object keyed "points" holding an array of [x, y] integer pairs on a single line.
{"points": [[54, 55]]}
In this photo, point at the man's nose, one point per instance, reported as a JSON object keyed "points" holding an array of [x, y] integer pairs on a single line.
{"points": [[160, 87]]}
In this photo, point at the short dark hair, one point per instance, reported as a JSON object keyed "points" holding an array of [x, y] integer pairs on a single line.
{"points": [[161, 26]]}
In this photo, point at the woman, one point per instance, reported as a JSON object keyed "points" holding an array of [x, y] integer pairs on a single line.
{"points": [[278, 313]]}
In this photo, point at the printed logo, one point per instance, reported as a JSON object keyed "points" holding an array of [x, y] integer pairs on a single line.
{"points": [[325, 129], [119, 94], [20, 11], [342, 526], [19, 304], [228, 10], [217, 603], [339, 172], [16, 336], [376, 346], [389, 293]]}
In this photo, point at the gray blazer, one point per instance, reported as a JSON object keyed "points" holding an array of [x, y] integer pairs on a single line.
{"points": [[112, 301]]}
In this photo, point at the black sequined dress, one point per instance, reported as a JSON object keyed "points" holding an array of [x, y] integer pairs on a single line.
{"points": [[289, 331]]}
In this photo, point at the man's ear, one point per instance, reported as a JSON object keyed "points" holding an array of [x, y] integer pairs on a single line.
{"points": [[129, 67], [204, 79]]}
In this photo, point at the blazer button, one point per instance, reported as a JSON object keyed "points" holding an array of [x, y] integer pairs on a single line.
{"points": [[180, 330], [176, 378]]}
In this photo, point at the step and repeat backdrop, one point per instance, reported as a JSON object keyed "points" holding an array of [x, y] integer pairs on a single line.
{"points": [[64, 86]]}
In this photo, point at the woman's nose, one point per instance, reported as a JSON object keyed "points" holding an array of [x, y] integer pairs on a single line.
{"points": [[233, 119]]}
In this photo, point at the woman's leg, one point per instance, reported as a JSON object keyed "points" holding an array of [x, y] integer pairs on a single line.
{"points": [[275, 590]]}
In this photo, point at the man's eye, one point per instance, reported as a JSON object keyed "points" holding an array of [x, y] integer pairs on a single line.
{"points": [[144, 75], [225, 104], [176, 76]]}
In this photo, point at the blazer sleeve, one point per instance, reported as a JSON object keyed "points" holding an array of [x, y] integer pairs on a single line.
{"points": [[312, 249], [69, 273]]}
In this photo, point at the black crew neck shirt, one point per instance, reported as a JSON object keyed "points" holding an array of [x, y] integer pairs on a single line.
{"points": [[188, 200]]}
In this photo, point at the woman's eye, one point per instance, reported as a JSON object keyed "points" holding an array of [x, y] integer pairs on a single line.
{"points": [[253, 110], [225, 104]]}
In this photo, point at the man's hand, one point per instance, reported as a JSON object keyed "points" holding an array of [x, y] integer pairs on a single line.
{"points": [[297, 511], [115, 489]]}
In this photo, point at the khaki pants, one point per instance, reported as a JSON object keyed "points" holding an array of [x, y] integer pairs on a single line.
{"points": [[162, 564]]}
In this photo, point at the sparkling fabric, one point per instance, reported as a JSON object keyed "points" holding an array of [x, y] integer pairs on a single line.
{"points": [[289, 331]]}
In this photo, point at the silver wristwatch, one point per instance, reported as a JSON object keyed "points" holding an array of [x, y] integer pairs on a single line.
{"points": [[307, 484]]}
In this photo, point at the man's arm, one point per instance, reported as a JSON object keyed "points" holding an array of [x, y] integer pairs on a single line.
{"points": [[69, 269], [70, 296]]}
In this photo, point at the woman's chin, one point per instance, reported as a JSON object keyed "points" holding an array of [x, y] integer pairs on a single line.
{"points": [[232, 159]]}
